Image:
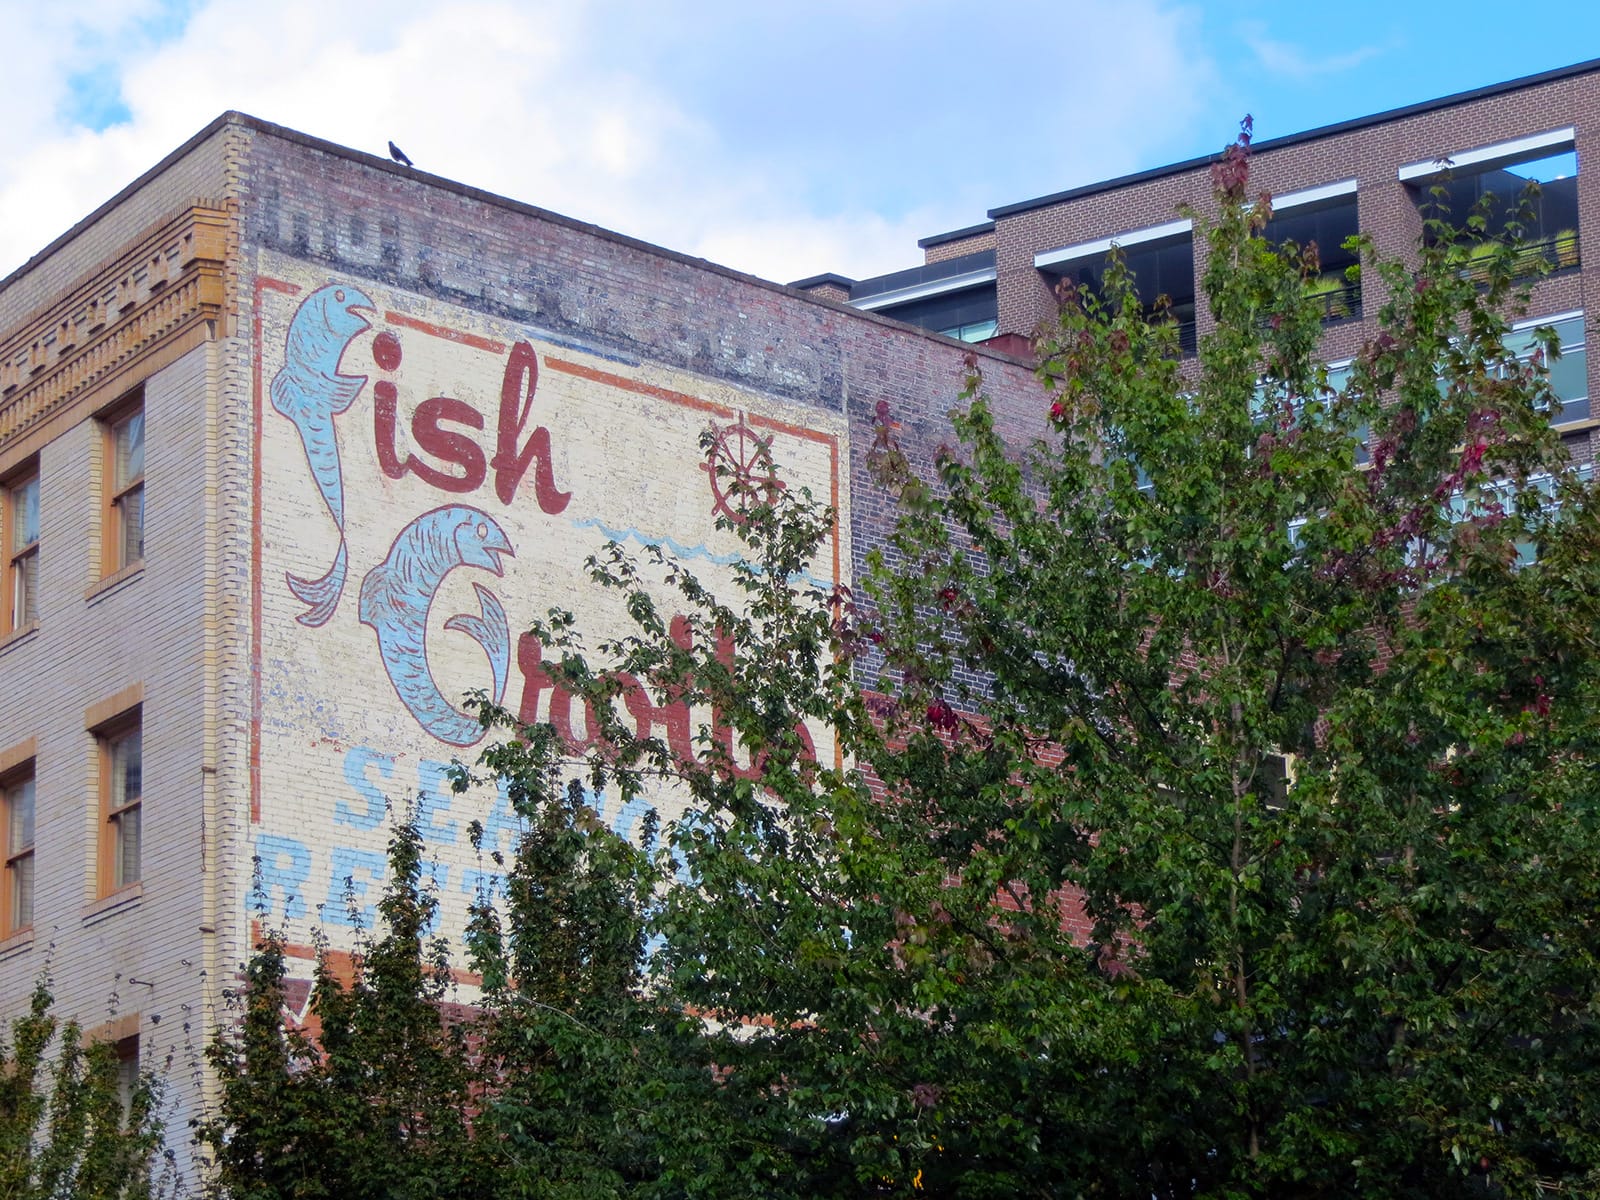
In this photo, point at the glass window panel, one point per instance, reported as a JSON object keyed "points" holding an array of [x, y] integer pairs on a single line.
{"points": [[1519, 342], [126, 866], [1569, 374], [25, 589], [25, 514], [22, 892], [126, 770], [127, 1071], [130, 449], [1569, 331], [19, 800], [1562, 165], [132, 510]]}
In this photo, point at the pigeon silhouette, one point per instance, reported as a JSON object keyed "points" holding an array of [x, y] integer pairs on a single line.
{"points": [[398, 155]]}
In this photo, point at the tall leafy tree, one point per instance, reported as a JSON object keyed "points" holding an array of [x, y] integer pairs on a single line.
{"points": [[1310, 732], [68, 1124], [372, 1098]]}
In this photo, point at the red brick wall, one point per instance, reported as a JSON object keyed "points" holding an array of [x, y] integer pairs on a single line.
{"points": [[1388, 212], [955, 249]]}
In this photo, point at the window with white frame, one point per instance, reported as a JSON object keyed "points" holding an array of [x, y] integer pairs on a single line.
{"points": [[1569, 372]]}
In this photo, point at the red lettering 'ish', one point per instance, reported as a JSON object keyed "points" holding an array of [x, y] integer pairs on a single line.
{"points": [[443, 429]]}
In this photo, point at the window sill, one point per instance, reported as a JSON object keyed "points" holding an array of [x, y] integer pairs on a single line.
{"points": [[1580, 426], [13, 945], [114, 582], [19, 637], [121, 900]]}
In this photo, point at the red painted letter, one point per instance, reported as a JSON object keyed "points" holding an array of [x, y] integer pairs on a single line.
{"points": [[511, 462], [385, 402], [454, 448]]}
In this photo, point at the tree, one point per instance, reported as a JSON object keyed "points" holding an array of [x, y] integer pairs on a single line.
{"points": [[66, 1128], [375, 1103], [1302, 729], [1379, 979], [1198, 803]]}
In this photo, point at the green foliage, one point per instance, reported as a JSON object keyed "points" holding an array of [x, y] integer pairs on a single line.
{"points": [[64, 1128], [397, 1088], [1221, 823], [375, 1104], [1378, 985]]}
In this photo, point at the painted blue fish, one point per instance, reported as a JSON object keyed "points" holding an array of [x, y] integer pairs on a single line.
{"points": [[310, 391], [396, 596]]}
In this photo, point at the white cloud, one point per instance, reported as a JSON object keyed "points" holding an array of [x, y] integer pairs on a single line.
{"points": [[1285, 58], [782, 139]]}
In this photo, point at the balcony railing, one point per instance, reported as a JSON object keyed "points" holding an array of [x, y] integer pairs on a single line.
{"points": [[1559, 252], [1339, 297]]}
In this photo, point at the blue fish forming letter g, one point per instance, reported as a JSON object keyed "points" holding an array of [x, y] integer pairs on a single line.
{"points": [[310, 391], [396, 596]]}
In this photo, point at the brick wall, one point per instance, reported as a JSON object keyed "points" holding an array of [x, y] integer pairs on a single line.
{"points": [[956, 247], [838, 293], [494, 272], [1387, 210], [362, 218]]}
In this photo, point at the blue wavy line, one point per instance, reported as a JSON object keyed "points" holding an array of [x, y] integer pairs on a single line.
{"points": [[645, 539], [678, 549]]}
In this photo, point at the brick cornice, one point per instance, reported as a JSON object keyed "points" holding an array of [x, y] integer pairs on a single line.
{"points": [[161, 287]]}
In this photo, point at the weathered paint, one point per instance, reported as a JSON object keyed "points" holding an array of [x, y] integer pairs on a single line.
{"points": [[457, 471]]}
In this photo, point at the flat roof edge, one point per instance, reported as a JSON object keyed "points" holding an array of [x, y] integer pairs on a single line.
{"points": [[826, 277], [1310, 135], [955, 235], [233, 117]]}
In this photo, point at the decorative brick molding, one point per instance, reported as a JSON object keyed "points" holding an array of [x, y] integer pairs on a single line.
{"points": [[165, 285]]}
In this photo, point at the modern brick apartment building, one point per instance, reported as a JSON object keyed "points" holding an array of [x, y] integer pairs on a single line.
{"points": [[1376, 175], [293, 443]]}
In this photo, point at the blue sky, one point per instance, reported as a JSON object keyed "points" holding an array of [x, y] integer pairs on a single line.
{"points": [[780, 138]]}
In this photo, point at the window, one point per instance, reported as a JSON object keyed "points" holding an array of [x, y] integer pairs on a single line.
{"points": [[1569, 374], [975, 331], [1524, 191], [1275, 779], [121, 1037], [1326, 217], [20, 518], [127, 1052], [121, 790], [1160, 259], [16, 837], [125, 493]]}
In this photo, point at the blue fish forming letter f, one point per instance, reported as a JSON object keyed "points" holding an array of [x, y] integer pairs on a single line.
{"points": [[310, 391]]}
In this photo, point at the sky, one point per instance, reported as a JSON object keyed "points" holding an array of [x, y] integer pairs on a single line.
{"points": [[783, 139]]}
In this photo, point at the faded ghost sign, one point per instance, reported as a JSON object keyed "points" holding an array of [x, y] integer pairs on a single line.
{"points": [[429, 481]]}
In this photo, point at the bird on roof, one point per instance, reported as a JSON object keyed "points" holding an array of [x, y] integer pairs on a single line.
{"points": [[398, 155]]}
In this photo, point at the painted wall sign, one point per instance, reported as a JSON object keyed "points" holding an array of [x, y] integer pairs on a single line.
{"points": [[429, 481]]}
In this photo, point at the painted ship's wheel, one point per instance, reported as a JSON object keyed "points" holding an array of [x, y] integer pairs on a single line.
{"points": [[739, 467]]}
